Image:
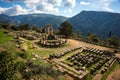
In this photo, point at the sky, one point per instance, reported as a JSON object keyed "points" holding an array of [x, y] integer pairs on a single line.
{"points": [[66, 8]]}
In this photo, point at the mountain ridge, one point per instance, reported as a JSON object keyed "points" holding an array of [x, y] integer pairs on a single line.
{"points": [[97, 22], [38, 19]]}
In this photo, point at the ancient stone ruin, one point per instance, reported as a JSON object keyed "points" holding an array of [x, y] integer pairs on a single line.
{"points": [[79, 62], [49, 39]]}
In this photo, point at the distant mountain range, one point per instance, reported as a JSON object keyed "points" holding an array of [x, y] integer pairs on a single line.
{"points": [[101, 23], [31, 19], [98, 22]]}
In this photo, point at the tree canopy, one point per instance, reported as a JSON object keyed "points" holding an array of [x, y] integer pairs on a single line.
{"points": [[66, 29], [114, 41], [92, 37]]}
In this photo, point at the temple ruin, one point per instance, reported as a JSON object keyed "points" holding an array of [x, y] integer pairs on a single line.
{"points": [[49, 39]]}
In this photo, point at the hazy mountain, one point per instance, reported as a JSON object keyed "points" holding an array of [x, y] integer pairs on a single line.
{"points": [[101, 23], [38, 19], [98, 22], [7, 19]]}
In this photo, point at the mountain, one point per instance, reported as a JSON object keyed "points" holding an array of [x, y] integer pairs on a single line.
{"points": [[98, 22], [38, 19], [7, 19]]}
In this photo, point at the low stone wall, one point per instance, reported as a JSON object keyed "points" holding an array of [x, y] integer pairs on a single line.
{"points": [[52, 43]]}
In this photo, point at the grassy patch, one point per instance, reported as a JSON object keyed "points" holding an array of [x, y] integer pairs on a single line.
{"points": [[69, 53], [43, 53], [90, 77], [114, 67], [3, 37]]}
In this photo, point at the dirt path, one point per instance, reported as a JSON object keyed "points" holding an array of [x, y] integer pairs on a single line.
{"points": [[97, 77], [84, 44], [114, 76]]}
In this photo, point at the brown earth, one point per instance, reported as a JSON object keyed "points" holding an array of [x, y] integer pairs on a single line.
{"points": [[2, 49], [76, 43], [97, 77], [114, 76]]}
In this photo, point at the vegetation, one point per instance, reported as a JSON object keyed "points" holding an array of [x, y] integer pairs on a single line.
{"points": [[23, 54], [114, 67], [4, 38], [36, 28], [66, 29], [114, 41], [31, 70], [23, 65], [16, 63], [91, 37], [13, 27], [7, 66]]}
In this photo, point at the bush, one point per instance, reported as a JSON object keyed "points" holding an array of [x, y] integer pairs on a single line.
{"points": [[23, 54], [38, 69], [7, 66]]}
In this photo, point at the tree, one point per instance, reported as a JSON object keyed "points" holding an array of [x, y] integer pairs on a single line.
{"points": [[36, 28], [13, 27], [79, 34], [92, 37], [66, 29], [24, 27], [7, 66], [89, 34], [114, 41], [4, 26], [110, 34]]}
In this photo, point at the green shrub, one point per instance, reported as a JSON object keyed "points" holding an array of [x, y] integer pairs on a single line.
{"points": [[23, 54], [7, 66]]}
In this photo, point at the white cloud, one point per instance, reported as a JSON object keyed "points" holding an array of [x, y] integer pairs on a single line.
{"points": [[84, 3], [104, 5], [31, 1], [107, 5], [36, 2], [33, 6], [70, 3], [55, 2], [39, 6], [15, 10], [48, 6], [68, 11]]}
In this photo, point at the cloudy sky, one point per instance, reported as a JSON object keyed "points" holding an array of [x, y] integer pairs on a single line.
{"points": [[58, 7]]}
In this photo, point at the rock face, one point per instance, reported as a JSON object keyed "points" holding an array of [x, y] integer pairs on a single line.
{"points": [[101, 23]]}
